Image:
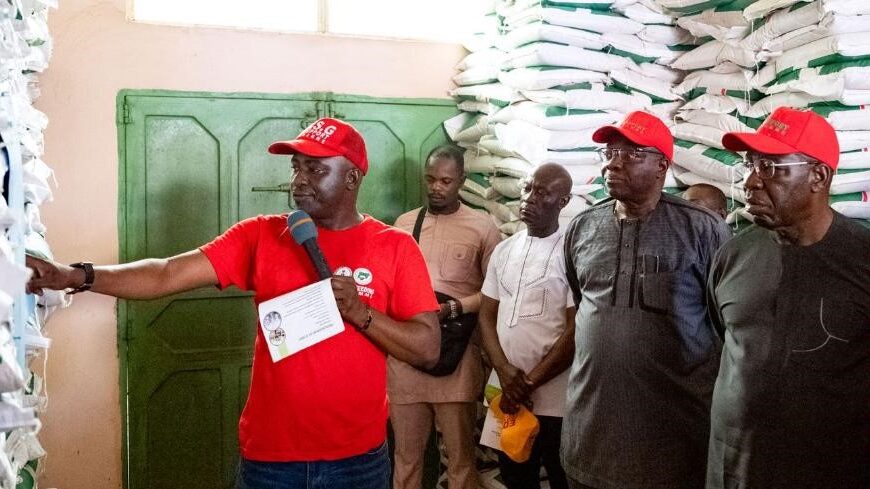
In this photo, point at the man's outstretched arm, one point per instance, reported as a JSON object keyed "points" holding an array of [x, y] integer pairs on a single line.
{"points": [[143, 279]]}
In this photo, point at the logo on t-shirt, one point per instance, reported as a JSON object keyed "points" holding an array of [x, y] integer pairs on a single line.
{"points": [[362, 276]]}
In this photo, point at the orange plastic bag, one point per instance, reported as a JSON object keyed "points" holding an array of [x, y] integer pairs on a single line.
{"points": [[518, 431]]}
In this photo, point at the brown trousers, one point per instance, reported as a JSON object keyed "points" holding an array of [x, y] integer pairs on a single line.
{"points": [[412, 424]]}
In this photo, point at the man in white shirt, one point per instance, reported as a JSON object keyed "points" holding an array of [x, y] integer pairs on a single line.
{"points": [[526, 323]]}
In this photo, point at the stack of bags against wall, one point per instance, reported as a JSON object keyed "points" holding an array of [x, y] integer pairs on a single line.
{"points": [[25, 47], [770, 53], [718, 93], [818, 57], [565, 68]]}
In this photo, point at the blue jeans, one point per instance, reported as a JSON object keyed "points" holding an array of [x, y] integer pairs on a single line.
{"points": [[370, 470]]}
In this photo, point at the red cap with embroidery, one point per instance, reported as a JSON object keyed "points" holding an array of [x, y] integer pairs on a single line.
{"points": [[641, 128], [788, 131], [327, 137]]}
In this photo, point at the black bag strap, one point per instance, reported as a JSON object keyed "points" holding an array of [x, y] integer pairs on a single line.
{"points": [[418, 226]]}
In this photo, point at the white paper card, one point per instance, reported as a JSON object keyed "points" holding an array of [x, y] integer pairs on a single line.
{"points": [[299, 319], [490, 434]]}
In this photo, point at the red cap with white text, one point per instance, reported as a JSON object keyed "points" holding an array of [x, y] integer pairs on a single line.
{"points": [[643, 129], [324, 138], [788, 131]]}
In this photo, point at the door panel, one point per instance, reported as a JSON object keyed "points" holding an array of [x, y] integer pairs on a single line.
{"points": [[258, 168], [398, 136], [189, 162], [182, 413], [181, 184]]}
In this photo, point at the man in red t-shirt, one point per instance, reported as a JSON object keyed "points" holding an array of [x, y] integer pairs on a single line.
{"points": [[318, 417]]}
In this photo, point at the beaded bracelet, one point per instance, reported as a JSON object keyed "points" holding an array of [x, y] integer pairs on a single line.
{"points": [[368, 321]]}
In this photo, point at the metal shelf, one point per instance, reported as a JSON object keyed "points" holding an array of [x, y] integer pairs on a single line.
{"points": [[23, 305]]}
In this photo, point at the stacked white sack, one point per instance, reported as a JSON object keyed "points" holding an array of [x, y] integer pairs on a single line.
{"points": [[718, 91], [818, 57], [566, 69], [25, 47]]}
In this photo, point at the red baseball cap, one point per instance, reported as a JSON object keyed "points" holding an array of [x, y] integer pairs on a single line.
{"points": [[641, 128], [327, 137], [788, 131]]}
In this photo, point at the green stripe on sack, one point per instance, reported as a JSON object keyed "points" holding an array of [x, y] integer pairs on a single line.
{"points": [[553, 111], [837, 67], [550, 68], [752, 122], [573, 86], [790, 76], [470, 122], [846, 171], [825, 109], [853, 197], [574, 5], [835, 58], [479, 179], [615, 89], [632, 56], [752, 95], [683, 143], [607, 13], [536, 41], [830, 59], [598, 195], [723, 156], [628, 88], [681, 47], [599, 10]]}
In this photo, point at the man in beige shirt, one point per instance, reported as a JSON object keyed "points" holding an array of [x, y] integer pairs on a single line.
{"points": [[456, 242]]}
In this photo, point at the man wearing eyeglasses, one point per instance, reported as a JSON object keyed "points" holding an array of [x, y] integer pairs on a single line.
{"points": [[637, 414], [791, 299]]}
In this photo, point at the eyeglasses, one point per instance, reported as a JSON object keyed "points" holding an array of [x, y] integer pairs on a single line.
{"points": [[765, 168], [634, 155]]}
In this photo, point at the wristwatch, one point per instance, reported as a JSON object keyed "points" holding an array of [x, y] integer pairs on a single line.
{"points": [[88, 267], [454, 309]]}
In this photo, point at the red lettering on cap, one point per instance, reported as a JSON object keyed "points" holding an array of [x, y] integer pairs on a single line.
{"points": [[777, 126], [638, 128]]}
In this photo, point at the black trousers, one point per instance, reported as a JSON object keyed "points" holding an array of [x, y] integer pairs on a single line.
{"points": [[545, 451]]}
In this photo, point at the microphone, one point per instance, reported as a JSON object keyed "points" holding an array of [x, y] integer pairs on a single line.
{"points": [[305, 234]]}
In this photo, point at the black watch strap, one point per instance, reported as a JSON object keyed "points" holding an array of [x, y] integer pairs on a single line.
{"points": [[88, 267]]}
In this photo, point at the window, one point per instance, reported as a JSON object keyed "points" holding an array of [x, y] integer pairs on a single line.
{"points": [[434, 20]]}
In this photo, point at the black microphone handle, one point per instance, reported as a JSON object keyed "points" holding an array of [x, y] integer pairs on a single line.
{"points": [[317, 258]]}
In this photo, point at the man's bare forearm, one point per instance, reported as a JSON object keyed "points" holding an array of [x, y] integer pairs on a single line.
{"points": [[143, 279], [416, 341]]}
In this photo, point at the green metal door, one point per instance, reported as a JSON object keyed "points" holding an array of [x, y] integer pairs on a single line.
{"points": [[188, 165]]}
